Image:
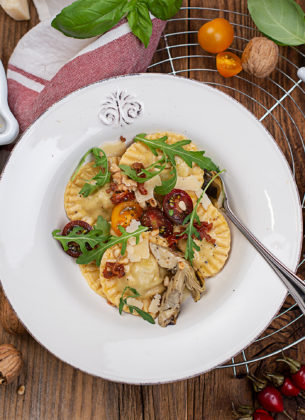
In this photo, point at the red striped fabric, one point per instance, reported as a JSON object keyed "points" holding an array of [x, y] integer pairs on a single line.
{"points": [[30, 94]]}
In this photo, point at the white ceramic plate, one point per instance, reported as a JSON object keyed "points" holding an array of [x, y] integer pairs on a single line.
{"points": [[45, 286]]}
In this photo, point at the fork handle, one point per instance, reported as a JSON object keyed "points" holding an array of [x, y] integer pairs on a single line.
{"points": [[294, 284]]}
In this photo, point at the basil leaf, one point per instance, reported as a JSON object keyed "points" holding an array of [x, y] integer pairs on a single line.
{"points": [[281, 20], [88, 18], [139, 21], [164, 9]]}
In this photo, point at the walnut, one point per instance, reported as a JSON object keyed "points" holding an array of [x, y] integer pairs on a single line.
{"points": [[10, 363], [9, 320], [260, 57]]}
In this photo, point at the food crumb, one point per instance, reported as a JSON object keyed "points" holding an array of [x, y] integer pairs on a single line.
{"points": [[21, 390], [122, 139]]}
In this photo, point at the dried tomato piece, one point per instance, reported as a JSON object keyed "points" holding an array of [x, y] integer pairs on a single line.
{"points": [[156, 219], [113, 269], [142, 189], [122, 139], [121, 196], [203, 229], [74, 249]]}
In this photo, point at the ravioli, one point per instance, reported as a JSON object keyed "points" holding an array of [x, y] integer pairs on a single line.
{"points": [[139, 152], [145, 276], [210, 259], [91, 272], [87, 208]]}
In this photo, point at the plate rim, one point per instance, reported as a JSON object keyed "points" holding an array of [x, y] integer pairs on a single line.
{"points": [[230, 98]]}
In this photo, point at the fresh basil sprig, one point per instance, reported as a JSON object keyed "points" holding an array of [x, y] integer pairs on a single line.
{"points": [[281, 20], [89, 18], [101, 178], [190, 230], [123, 301], [99, 240]]}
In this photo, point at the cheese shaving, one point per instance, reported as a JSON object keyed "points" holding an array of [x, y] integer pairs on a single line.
{"points": [[149, 186], [190, 183], [155, 304], [136, 253], [134, 302], [134, 224], [205, 201]]}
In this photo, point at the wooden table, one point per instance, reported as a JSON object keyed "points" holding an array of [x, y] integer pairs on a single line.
{"points": [[55, 390]]}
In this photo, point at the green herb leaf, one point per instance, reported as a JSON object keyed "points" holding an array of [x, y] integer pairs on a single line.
{"points": [[88, 18], [97, 253], [102, 177], [132, 173], [191, 230], [99, 234], [123, 301], [176, 149], [139, 20], [168, 184], [164, 9], [281, 20]]}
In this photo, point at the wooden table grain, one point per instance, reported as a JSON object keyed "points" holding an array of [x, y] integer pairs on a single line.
{"points": [[55, 390]]}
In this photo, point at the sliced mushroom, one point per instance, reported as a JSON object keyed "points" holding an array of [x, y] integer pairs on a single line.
{"points": [[184, 277]]}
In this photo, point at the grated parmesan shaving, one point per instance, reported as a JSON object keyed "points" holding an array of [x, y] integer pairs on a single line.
{"points": [[191, 183], [149, 186], [205, 201], [155, 304], [134, 224], [136, 253], [134, 302]]}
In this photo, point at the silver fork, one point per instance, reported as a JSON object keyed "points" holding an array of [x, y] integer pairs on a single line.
{"points": [[294, 284]]}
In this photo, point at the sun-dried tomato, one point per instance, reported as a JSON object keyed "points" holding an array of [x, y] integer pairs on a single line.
{"points": [[121, 196], [138, 166], [142, 189], [112, 187], [203, 229], [113, 270], [122, 139]]}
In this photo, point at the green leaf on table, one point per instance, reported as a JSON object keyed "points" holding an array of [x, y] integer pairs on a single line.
{"points": [[164, 9], [281, 20], [89, 18], [139, 20]]}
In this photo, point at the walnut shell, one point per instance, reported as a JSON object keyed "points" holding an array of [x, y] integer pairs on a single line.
{"points": [[10, 363], [8, 318], [260, 57]]}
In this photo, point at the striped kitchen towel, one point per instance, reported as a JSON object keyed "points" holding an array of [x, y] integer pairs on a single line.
{"points": [[46, 65]]}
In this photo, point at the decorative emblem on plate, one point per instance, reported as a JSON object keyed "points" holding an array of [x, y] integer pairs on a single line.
{"points": [[120, 108]]}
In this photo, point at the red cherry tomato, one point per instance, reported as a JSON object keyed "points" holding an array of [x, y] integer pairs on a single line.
{"points": [[74, 249], [289, 389], [271, 399], [155, 219], [216, 36], [123, 213], [260, 414], [228, 64], [177, 205]]}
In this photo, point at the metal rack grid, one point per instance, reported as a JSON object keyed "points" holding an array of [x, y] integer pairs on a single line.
{"points": [[281, 105]]}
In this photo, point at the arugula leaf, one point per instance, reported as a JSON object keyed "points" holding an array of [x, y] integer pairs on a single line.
{"points": [[191, 230], [164, 9], [123, 301], [136, 176], [89, 18], [139, 20], [281, 20], [99, 233], [101, 178], [97, 253], [176, 149], [167, 184]]}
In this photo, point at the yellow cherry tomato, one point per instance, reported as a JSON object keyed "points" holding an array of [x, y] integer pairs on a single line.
{"points": [[228, 64], [123, 213], [216, 36]]}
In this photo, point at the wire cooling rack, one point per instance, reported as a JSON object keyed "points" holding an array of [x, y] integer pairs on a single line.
{"points": [[279, 104]]}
